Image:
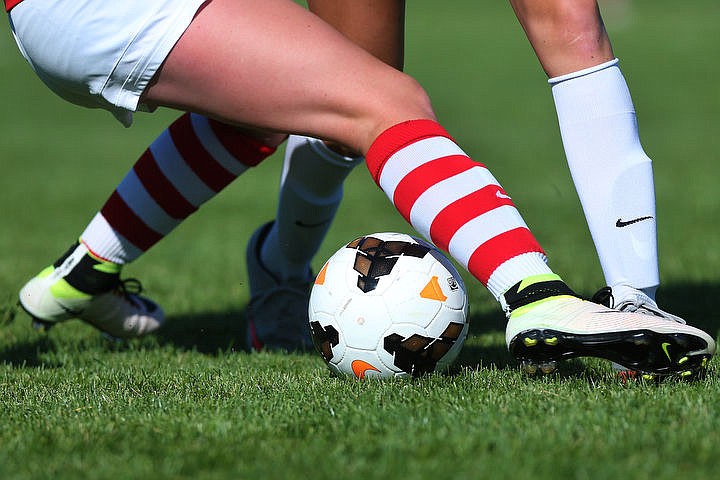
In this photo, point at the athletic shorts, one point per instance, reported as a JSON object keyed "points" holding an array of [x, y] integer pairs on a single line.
{"points": [[99, 53]]}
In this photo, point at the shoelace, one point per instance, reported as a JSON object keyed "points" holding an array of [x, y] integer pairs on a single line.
{"points": [[127, 289], [604, 296]]}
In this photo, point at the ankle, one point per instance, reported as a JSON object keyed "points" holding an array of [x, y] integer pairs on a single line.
{"points": [[533, 289], [86, 272]]}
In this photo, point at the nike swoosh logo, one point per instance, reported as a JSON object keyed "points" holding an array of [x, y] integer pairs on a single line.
{"points": [[69, 311], [359, 367], [620, 223], [302, 224], [499, 194], [665, 346]]}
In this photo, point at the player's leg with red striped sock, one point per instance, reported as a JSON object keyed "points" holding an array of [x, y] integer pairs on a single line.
{"points": [[459, 205], [187, 165], [456, 203]]}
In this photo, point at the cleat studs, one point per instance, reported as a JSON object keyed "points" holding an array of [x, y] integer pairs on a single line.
{"points": [[683, 360], [648, 377], [529, 367], [551, 341], [41, 325], [529, 342], [627, 375], [704, 362], [548, 367], [686, 373]]}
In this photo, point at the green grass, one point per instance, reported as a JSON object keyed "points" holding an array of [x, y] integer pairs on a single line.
{"points": [[191, 403]]}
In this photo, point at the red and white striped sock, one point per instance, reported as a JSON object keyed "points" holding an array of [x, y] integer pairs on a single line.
{"points": [[187, 165], [456, 203]]}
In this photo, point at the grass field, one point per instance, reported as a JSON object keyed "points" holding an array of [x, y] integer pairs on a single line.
{"points": [[191, 403]]}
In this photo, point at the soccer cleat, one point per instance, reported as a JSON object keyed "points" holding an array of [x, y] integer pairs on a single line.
{"points": [[113, 306], [633, 300], [277, 315], [548, 323]]}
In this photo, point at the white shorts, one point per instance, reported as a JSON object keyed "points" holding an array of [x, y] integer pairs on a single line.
{"points": [[99, 53]]}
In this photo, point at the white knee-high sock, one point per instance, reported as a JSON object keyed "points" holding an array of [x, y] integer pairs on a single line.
{"points": [[612, 174], [311, 189]]}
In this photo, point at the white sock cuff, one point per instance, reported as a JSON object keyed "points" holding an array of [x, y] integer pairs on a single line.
{"points": [[332, 156], [516, 269], [583, 72], [104, 242], [602, 94]]}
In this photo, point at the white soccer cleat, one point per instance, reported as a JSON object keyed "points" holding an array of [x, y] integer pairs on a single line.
{"points": [[121, 312], [628, 299], [560, 327], [635, 301]]}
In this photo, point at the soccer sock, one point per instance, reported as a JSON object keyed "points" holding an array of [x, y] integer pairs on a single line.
{"points": [[187, 165], [311, 189], [612, 174], [456, 203]]}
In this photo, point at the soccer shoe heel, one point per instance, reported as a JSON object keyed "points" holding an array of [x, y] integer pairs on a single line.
{"points": [[37, 323], [41, 325], [543, 357], [277, 312]]}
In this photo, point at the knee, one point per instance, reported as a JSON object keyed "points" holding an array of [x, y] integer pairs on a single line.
{"points": [[406, 100], [389, 104]]}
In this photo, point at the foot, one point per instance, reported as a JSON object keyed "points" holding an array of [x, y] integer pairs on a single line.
{"points": [[81, 286], [631, 300], [627, 299], [547, 323], [277, 315]]}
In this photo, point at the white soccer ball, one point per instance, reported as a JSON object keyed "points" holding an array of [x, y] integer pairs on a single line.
{"points": [[388, 305]]}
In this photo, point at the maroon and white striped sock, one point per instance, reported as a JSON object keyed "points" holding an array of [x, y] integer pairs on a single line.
{"points": [[187, 165], [456, 203]]}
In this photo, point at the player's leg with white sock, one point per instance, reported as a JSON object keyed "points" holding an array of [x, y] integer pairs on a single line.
{"points": [[612, 174], [279, 254], [311, 188]]}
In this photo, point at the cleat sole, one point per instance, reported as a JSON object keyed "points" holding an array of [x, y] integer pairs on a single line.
{"points": [[644, 351], [529, 367]]}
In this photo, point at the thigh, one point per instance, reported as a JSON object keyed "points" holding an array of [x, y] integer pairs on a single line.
{"points": [[274, 65], [377, 26]]}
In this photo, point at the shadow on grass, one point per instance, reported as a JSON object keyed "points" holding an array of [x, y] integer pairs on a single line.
{"points": [[29, 354], [208, 333], [696, 303]]}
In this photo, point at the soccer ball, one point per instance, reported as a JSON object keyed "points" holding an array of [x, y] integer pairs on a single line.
{"points": [[388, 305]]}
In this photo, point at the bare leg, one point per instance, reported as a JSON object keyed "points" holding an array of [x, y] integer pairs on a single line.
{"points": [[567, 35], [235, 63]]}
